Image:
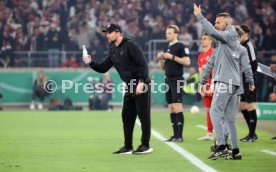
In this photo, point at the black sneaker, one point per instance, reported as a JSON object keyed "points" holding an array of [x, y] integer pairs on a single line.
{"points": [[173, 139], [218, 153], [233, 157], [170, 139], [124, 150], [214, 148], [244, 139], [273, 138], [228, 147], [248, 139], [255, 136], [180, 139], [142, 149]]}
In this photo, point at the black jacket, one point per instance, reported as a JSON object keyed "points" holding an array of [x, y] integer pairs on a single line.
{"points": [[252, 54], [128, 59]]}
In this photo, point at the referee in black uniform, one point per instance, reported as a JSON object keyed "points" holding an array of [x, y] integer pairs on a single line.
{"points": [[248, 99], [172, 60], [130, 62]]}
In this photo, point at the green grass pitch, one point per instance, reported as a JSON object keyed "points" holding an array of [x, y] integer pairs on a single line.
{"points": [[33, 141]]}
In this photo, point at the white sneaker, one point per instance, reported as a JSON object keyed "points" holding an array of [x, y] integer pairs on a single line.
{"points": [[40, 106], [32, 106], [207, 137]]}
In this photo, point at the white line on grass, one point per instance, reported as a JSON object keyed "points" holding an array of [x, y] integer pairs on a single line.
{"points": [[269, 152], [202, 127], [193, 159]]}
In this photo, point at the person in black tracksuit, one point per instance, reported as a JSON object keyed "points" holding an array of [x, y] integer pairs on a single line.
{"points": [[130, 62], [172, 60], [248, 98]]}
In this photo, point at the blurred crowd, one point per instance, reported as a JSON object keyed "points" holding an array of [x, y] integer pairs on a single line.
{"points": [[66, 25]]}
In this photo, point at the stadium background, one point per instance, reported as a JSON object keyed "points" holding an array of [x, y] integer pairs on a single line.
{"points": [[76, 141], [25, 27]]}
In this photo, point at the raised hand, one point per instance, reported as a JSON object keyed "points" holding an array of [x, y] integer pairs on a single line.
{"points": [[197, 9]]}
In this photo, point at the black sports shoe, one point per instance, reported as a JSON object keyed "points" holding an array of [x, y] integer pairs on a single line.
{"points": [[255, 136], [228, 147], [173, 139], [124, 150], [245, 138], [215, 147], [233, 157], [273, 138], [248, 139], [170, 139], [142, 149], [180, 139], [218, 153]]}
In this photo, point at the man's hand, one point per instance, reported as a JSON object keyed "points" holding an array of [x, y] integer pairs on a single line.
{"points": [[197, 9], [273, 67], [87, 59], [251, 87], [202, 90], [167, 56], [140, 88], [160, 55], [209, 92]]}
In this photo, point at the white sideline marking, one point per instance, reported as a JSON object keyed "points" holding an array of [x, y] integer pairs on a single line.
{"points": [[202, 127], [269, 152], [193, 159]]}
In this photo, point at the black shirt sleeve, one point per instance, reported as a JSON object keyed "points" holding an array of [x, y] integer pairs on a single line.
{"points": [[139, 59], [184, 51], [251, 49], [254, 63], [103, 66]]}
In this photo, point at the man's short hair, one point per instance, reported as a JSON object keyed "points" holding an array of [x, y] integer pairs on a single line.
{"points": [[205, 34], [227, 16], [239, 30], [175, 28], [245, 28], [223, 15]]}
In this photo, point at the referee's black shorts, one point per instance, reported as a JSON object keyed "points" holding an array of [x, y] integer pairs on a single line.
{"points": [[249, 96], [174, 92]]}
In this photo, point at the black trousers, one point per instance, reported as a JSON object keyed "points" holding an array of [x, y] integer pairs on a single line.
{"points": [[40, 93], [134, 105]]}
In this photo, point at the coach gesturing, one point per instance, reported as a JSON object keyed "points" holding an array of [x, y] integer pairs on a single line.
{"points": [[228, 61], [130, 62]]}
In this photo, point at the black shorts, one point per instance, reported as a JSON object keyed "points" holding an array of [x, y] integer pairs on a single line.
{"points": [[248, 96], [174, 90]]}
